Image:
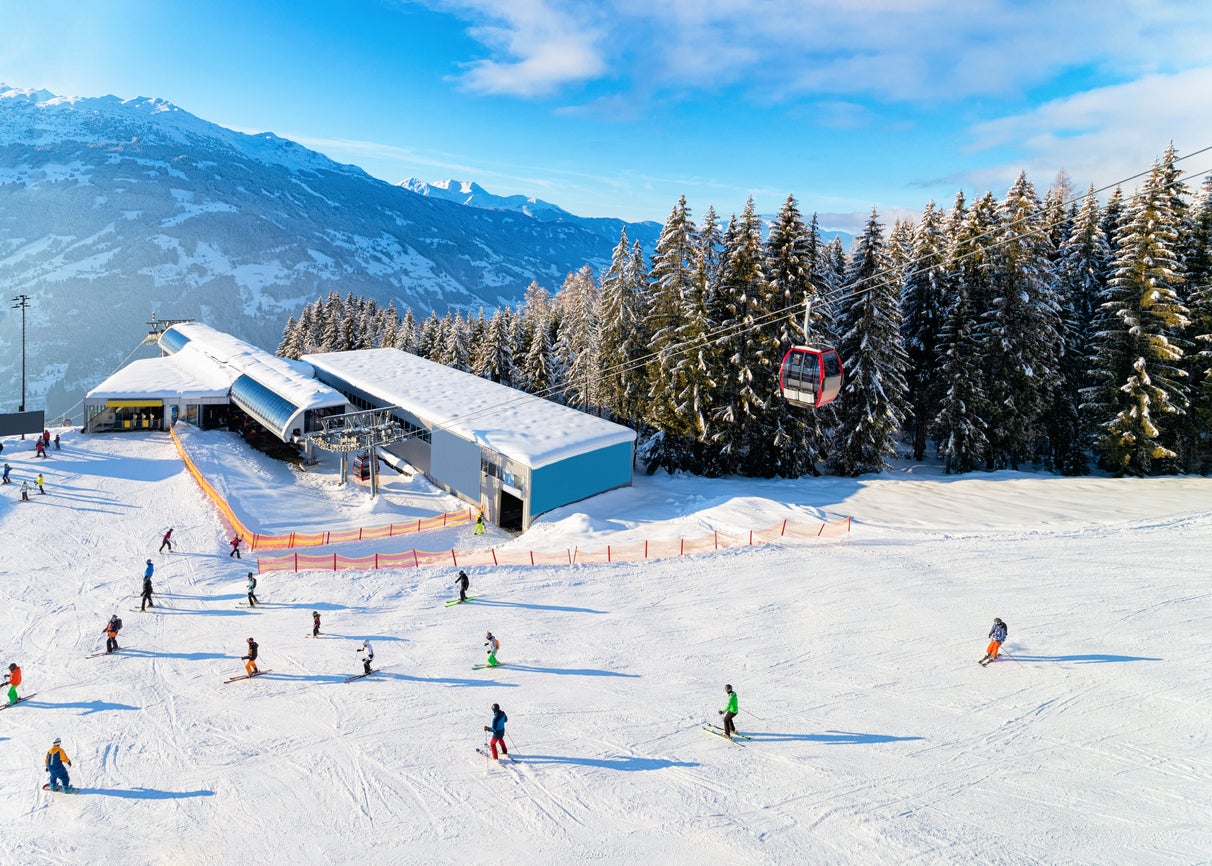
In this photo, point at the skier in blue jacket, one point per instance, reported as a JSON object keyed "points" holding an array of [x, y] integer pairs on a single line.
{"points": [[498, 730], [997, 635]]}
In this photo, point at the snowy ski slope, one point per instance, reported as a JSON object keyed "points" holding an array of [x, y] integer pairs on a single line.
{"points": [[876, 738]]}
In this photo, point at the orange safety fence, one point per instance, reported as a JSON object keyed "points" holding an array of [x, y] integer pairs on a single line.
{"points": [[210, 491], [631, 552]]}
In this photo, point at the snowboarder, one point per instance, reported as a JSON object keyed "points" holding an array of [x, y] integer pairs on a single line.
{"points": [[38, 483], [498, 731], [462, 582], [997, 635], [25, 491], [55, 759], [479, 530], [315, 623], [493, 645], [12, 681], [235, 546], [7, 470], [147, 588], [250, 660], [370, 655], [39, 449], [167, 541], [730, 713], [252, 593], [111, 633]]}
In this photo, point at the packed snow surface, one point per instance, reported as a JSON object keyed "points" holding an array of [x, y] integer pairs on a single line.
{"points": [[876, 738]]}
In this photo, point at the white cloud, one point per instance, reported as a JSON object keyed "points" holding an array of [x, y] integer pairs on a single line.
{"points": [[1102, 135]]}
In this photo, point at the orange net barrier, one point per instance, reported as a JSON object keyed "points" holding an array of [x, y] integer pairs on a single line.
{"points": [[210, 491], [290, 540], [630, 552]]}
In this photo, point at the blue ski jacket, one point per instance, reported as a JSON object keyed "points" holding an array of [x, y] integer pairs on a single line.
{"points": [[998, 632], [498, 723]]}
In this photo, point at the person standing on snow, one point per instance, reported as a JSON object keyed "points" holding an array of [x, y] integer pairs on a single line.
{"points": [[167, 541], [997, 635], [38, 483], [252, 590], [498, 731], [493, 646], [111, 633], [12, 681], [370, 655], [235, 546], [730, 713], [57, 448], [462, 582], [7, 470], [250, 660], [315, 623], [479, 530], [39, 449], [147, 587], [55, 760]]}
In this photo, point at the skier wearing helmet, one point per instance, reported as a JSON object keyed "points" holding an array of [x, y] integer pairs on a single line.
{"points": [[997, 635], [250, 660], [315, 623], [55, 760]]}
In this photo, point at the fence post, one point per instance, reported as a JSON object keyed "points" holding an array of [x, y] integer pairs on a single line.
{"points": [[416, 563], [820, 531], [532, 557], [751, 538], [453, 556], [681, 547], [717, 539], [418, 524], [645, 548], [494, 556], [296, 563], [334, 562], [783, 531], [376, 562], [608, 553]]}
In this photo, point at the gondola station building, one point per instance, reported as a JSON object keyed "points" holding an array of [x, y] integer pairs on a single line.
{"points": [[514, 455]]}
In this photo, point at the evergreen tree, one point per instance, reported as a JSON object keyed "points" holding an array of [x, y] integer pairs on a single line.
{"points": [[406, 334], [1198, 362], [622, 342], [1021, 330], [538, 362], [577, 347], [924, 305], [672, 288], [1080, 277], [429, 341], [289, 347], [873, 407], [1139, 386], [494, 354]]}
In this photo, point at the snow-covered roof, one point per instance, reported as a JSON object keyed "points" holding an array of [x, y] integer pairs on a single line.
{"points": [[187, 375], [526, 428], [293, 380]]}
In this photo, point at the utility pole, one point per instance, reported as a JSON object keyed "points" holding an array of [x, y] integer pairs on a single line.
{"points": [[21, 302]]}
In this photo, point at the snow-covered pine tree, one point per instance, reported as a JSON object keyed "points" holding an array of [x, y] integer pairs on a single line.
{"points": [[672, 285], [576, 344], [493, 358], [1114, 214], [1020, 330], [406, 333], [289, 347], [924, 305], [790, 435], [1080, 276], [748, 382], [873, 406], [622, 341], [1198, 360], [959, 428], [1139, 385], [429, 340]]}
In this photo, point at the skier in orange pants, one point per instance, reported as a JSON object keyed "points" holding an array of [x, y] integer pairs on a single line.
{"points": [[997, 634]]}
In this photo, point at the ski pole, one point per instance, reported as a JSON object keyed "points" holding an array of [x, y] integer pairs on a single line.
{"points": [[759, 718], [1012, 658], [512, 745]]}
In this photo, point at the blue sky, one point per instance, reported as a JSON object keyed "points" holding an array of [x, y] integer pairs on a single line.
{"points": [[617, 107]]}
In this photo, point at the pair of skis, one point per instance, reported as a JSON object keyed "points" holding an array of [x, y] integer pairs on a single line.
{"points": [[18, 701], [483, 666], [66, 789], [455, 601], [360, 676], [719, 732], [488, 754], [106, 653], [246, 676]]}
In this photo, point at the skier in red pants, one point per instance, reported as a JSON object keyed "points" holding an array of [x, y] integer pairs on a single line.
{"points": [[498, 730]]}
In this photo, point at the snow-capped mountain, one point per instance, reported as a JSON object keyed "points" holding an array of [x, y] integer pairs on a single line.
{"points": [[473, 195], [112, 209]]}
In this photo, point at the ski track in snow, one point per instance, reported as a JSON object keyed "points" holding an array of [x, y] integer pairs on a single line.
{"points": [[876, 738]]}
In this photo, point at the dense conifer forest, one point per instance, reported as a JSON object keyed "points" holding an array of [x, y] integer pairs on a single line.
{"points": [[1059, 332]]}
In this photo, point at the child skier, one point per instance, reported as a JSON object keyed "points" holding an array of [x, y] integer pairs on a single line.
{"points": [[7, 470], [250, 660], [25, 491], [55, 760], [498, 731], [252, 587], [997, 635], [111, 633], [370, 655], [479, 530], [730, 713], [12, 681], [235, 546], [38, 482], [493, 645], [315, 623], [462, 582], [167, 541]]}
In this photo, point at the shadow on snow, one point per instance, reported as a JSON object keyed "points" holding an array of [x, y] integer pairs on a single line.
{"points": [[833, 738], [145, 793], [625, 764], [576, 672], [1090, 658]]}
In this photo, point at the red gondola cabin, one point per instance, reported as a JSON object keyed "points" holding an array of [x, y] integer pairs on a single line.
{"points": [[810, 377]]}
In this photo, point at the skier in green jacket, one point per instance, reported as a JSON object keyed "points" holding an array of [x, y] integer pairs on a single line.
{"points": [[730, 713]]}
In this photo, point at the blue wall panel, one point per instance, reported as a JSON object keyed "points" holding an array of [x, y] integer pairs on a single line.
{"points": [[455, 462], [578, 477]]}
